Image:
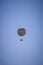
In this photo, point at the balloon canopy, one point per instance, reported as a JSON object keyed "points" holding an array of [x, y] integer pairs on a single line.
{"points": [[21, 31]]}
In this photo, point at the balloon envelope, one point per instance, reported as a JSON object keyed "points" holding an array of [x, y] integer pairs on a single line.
{"points": [[21, 31]]}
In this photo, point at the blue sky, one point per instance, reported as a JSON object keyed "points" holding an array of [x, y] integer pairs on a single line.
{"points": [[16, 14]]}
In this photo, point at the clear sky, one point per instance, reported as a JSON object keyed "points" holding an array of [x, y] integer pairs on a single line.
{"points": [[16, 14]]}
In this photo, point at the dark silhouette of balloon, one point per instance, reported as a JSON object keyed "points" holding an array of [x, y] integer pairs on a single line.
{"points": [[21, 31]]}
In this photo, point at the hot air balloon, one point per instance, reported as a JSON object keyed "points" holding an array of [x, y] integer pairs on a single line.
{"points": [[21, 32]]}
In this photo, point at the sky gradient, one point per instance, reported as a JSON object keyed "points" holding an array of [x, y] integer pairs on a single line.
{"points": [[15, 14]]}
